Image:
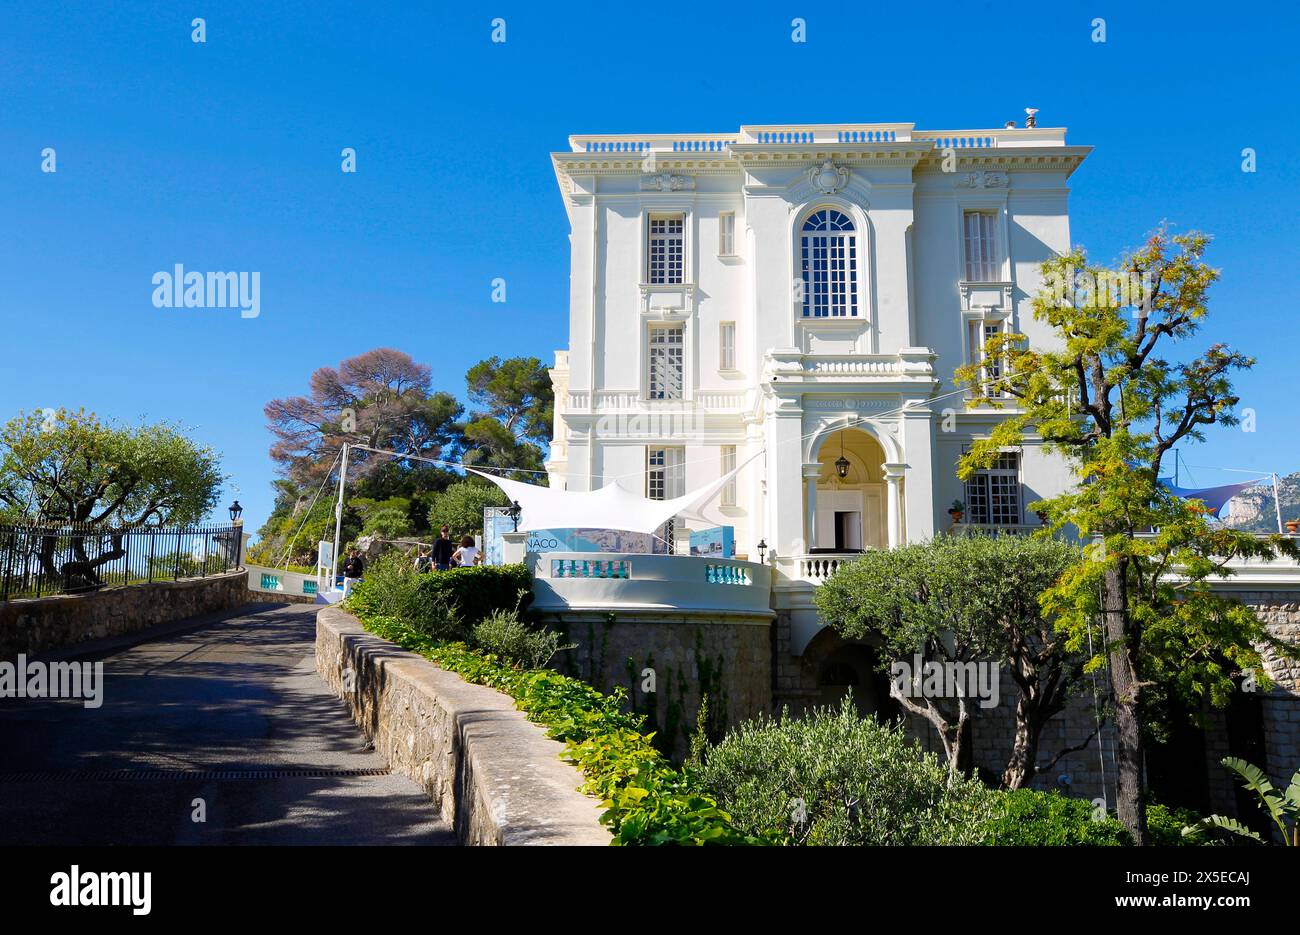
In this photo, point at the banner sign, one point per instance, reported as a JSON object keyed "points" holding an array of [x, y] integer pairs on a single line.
{"points": [[496, 523], [715, 542]]}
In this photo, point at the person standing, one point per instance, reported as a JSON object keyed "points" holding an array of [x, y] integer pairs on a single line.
{"points": [[468, 554], [442, 550], [354, 568]]}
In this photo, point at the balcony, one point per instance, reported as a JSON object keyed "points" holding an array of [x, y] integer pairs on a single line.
{"points": [[607, 581], [812, 568], [909, 365]]}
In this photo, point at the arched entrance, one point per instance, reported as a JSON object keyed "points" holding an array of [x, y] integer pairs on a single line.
{"points": [[852, 669], [848, 503]]}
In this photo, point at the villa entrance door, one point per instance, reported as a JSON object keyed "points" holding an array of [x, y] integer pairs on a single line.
{"points": [[839, 520]]}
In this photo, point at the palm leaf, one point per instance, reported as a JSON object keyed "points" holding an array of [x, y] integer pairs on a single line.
{"points": [[1256, 781], [1292, 794], [1220, 822]]}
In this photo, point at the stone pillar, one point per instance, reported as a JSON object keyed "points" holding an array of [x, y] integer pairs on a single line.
{"points": [[785, 499], [918, 453], [513, 547], [894, 514], [811, 472]]}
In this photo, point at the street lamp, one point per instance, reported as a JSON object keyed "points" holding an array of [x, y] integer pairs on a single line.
{"points": [[762, 551], [513, 512], [235, 511]]}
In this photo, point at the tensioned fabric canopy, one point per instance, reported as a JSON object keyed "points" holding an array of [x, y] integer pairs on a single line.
{"points": [[610, 507], [1213, 497]]}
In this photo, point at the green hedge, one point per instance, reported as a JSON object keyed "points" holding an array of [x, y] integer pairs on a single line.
{"points": [[476, 592], [1037, 819], [442, 604]]}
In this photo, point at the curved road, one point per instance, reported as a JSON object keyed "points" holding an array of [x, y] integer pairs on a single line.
{"points": [[225, 709]]}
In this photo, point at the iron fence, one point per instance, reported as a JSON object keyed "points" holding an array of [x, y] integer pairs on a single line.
{"points": [[42, 560]]}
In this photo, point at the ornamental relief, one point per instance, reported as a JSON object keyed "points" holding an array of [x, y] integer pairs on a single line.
{"points": [[828, 178], [982, 179], [666, 182]]}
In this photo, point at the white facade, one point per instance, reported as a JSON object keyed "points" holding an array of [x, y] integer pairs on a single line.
{"points": [[803, 292]]}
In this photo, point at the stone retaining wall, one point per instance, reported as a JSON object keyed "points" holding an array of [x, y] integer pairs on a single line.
{"points": [[728, 657], [40, 624], [496, 776]]}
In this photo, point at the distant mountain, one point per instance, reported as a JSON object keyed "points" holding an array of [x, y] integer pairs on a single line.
{"points": [[1252, 509]]}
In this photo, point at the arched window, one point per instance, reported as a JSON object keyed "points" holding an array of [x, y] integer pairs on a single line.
{"points": [[828, 265]]}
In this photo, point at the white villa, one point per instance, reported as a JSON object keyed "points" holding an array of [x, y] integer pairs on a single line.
{"points": [[805, 292]]}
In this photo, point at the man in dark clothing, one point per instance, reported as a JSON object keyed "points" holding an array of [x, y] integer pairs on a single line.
{"points": [[354, 566], [442, 550]]}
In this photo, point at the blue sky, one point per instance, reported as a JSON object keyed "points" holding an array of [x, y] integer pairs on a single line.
{"points": [[226, 156]]}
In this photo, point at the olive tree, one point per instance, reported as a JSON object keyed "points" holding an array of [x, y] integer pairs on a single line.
{"points": [[962, 600]]}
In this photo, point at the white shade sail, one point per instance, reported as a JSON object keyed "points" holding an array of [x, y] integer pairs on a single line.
{"points": [[610, 507]]}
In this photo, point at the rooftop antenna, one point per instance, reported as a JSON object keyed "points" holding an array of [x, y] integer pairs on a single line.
{"points": [[1031, 119]]}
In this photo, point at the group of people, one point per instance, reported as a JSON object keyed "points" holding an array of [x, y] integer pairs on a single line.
{"points": [[445, 555]]}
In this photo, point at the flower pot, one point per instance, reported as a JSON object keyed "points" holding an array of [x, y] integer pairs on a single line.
{"points": [[956, 515], [1292, 525]]}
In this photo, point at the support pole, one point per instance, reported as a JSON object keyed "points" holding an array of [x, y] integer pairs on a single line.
{"points": [[338, 520], [1277, 505]]}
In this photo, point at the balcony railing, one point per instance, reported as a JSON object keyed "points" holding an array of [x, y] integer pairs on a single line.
{"points": [[814, 134], [608, 581], [813, 568]]}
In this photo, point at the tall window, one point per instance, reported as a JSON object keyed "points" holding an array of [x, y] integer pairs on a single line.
{"points": [[993, 494], [727, 233], [828, 264], [666, 362], [981, 246], [665, 479], [666, 250], [990, 365], [727, 345], [729, 465]]}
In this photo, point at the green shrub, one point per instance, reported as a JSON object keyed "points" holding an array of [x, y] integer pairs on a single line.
{"points": [[475, 593], [1032, 818], [1166, 825], [392, 588], [515, 642], [441, 604], [832, 777]]}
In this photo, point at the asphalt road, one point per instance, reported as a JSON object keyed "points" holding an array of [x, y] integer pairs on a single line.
{"points": [[183, 714]]}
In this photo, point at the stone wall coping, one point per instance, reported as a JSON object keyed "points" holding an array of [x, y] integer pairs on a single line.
{"points": [[20, 604], [510, 785]]}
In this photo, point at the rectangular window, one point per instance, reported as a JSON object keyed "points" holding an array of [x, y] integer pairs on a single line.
{"points": [[727, 233], [666, 250], [666, 364], [729, 465], [981, 247], [665, 473], [727, 346], [993, 494], [990, 366]]}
